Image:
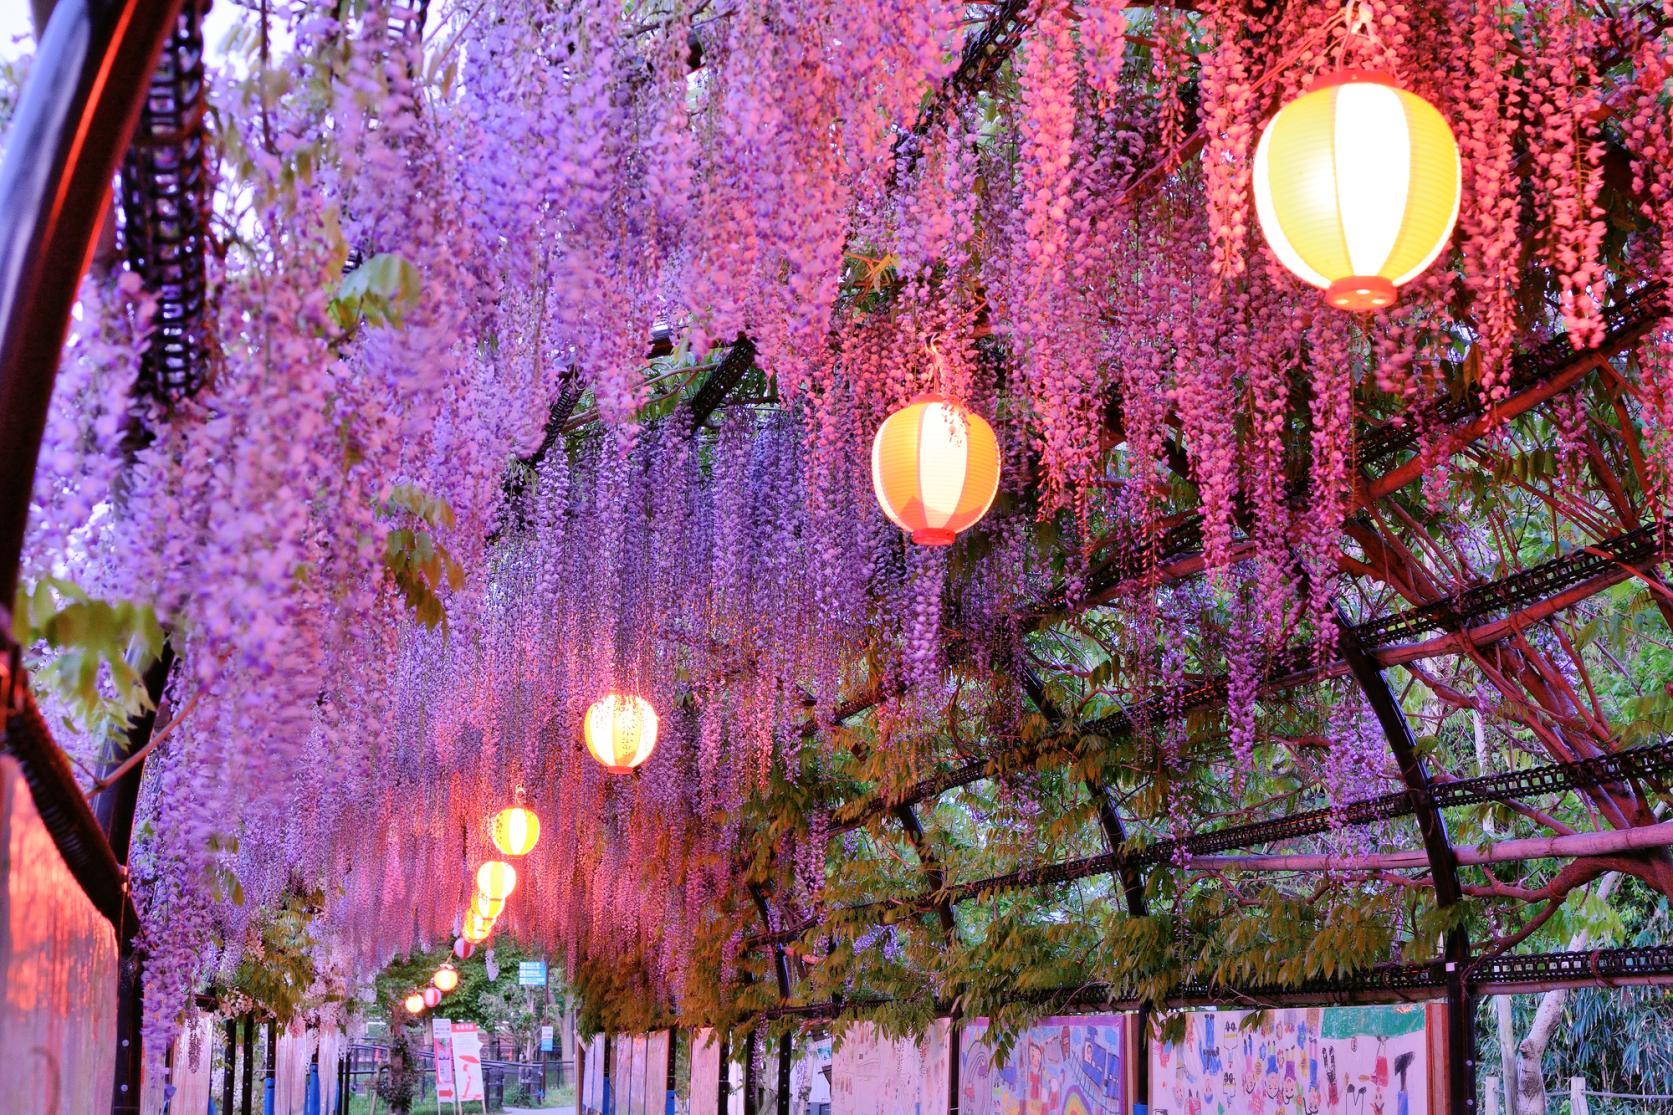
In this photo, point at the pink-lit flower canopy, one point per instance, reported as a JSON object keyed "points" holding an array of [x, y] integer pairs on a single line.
{"points": [[542, 392]]}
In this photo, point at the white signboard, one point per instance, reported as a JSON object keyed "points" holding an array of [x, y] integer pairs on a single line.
{"points": [[441, 1034], [467, 1062]]}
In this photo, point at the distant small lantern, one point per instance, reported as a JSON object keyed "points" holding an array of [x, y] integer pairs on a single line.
{"points": [[484, 907], [432, 997], [415, 1003], [620, 730], [515, 830], [462, 948], [1357, 185], [496, 879], [477, 928], [935, 468], [445, 979]]}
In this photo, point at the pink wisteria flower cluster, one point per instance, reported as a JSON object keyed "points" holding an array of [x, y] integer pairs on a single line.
{"points": [[1068, 248]]}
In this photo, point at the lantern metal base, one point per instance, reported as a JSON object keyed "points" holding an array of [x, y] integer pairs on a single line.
{"points": [[1361, 293], [933, 536]]}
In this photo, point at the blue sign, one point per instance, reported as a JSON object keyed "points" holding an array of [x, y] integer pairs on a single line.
{"points": [[531, 973]]}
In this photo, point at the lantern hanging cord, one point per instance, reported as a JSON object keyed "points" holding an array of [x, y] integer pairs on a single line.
{"points": [[1359, 29], [934, 347]]}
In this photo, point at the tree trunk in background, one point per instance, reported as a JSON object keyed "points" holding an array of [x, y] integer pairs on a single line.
{"points": [[1507, 1052], [1530, 1055]]}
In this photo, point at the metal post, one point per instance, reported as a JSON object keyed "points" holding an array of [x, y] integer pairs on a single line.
{"points": [[1443, 863], [723, 1096], [609, 1108], [752, 1099], [955, 1038], [249, 1062], [269, 1076], [73, 123], [784, 1075], [673, 1065], [230, 1067]]}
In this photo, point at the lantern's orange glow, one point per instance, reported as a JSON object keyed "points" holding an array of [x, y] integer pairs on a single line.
{"points": [[484, 907], [1357, 186], [463, 948], [445, 979], [496, 879], [477, 928], [515, 830], [620, 731], [935, 468], [432, 996], [415, 1003]]}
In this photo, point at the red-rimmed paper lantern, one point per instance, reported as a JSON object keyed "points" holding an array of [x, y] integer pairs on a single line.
{"points": [[463, 948], [445, 979], [415, 1003], [496, 879], [432, 997], [477, 928], [1357, 186], [515, 830], [935, 468], [620, 731]]}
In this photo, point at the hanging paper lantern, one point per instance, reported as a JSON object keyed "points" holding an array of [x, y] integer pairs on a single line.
{"points": [[620, 731], [476, 929], [515, 830], [463, 949], [1357, 184], [415, 1003], [484, 907], [432, 996], [935, 468], [496, 879], [445, 979]]}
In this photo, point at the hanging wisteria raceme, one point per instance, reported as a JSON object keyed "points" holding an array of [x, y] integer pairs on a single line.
{"points": [[435, 499]]}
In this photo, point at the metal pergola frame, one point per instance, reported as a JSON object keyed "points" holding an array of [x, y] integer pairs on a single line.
{"points": [[127, 94]]}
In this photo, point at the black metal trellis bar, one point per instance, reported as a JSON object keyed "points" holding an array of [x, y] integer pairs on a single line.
{"points": [[1651, 762], [1535, 377], [1605, 561], [1382, 983], [165, 210]]}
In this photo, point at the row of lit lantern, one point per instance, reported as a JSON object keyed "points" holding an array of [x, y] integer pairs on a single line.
{"points": [[1357, 186], [514, 831]]}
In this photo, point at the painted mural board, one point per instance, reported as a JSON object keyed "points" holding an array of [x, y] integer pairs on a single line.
{"points": [[1305, 1061], [592, 1089], [705, 1077], [657, 1094], [876, 1075], [1067, 1065]]}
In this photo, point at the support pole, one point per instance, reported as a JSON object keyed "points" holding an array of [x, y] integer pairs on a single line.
{"points": [[73, 123], [752, 1096], [249, 1062], [723, 1095], [606, 1099], [230, 1067], [784, 1051], [1443, 865]]}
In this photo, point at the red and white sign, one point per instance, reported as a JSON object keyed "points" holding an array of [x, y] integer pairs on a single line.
{"points": [[467, 1063], [441, 1032]]}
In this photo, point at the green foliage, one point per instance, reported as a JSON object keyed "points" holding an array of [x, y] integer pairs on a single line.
{"points": [[97, 650], [415, 557], [494, 1005], [377, 293], [278, 974]]}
